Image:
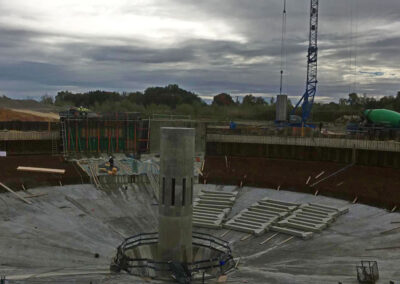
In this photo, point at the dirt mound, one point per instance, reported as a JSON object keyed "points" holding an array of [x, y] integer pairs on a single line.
{"points": [[25, 115], [30, 104]]}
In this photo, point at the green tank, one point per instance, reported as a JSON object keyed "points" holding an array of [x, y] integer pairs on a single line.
{"points": [[384, 117]]}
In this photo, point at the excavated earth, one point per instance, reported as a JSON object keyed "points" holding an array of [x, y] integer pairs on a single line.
{"points": [[371, 185], [15, 179], [71, 234]]}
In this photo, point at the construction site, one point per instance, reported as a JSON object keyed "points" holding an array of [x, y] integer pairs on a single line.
{"points": [[120, 197], [267, 205]]}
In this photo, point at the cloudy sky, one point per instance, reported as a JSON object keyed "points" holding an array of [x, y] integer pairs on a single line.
{"points": [[207, 46]]}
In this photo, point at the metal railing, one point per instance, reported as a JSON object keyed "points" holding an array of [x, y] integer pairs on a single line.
{"points": [[171, 116], [306, 133], [151, 268]]}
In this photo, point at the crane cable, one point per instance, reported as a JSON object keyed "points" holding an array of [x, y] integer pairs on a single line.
{"points": [[353, 68], [283, 47]]}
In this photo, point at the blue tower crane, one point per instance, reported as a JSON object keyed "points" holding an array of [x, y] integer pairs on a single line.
{"points": [[307, 99]]}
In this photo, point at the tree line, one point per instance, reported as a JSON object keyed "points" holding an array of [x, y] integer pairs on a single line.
{"points": [[172, 99]]}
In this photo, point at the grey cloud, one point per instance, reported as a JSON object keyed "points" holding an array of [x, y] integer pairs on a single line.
{"points": [[28, 64]]}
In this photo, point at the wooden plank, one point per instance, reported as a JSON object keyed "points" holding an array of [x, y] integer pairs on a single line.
{"points": [[224, 234], [285, 241], [388, 231], [35, 195], [14, 193], [237, 263], [41, 170], [246, 237], [270, 238], [383, 248]]}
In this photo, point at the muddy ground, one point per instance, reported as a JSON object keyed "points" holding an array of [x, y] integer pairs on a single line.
{"points": [[14, 179], [372, 185]]}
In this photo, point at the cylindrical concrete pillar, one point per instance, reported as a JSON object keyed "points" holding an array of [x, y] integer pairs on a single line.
{"points": [[176, 194], [281, 108]]}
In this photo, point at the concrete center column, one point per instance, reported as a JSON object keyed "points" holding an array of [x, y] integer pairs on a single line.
{"points": [[176, 194]]}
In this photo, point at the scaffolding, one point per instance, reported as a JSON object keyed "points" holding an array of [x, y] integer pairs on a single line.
{"points": [[108, 133]]}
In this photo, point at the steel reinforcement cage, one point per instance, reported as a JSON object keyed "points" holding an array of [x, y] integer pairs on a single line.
{"points": [[151, 268], [111, 133]]}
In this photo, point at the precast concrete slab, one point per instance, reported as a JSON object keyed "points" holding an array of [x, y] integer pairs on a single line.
{"points": [[215, 204], [263, 214], [293, 232], [312, 217]]}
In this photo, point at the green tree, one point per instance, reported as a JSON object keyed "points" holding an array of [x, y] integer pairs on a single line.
{"points": [[223, 99], [47, 100], [353, 100]]}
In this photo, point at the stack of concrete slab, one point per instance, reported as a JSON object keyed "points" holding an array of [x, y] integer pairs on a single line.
{"points": [[308, 219], [259, 217], [211, 207]]}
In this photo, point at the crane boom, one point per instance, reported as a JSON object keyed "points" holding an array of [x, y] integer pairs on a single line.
{"points": [[307, 99]]}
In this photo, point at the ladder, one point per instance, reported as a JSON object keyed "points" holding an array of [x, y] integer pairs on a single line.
{"points": [[54, 145], [63, 137]]}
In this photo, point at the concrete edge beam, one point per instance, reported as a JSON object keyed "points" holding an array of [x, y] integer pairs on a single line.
{"points": [[258, 216], [309, 217], [297, 233], [330, 211], [299, 226], [319, 226], [208, 210], [310, 220], [318, 212], [245, 224], [211, 205], [306, 222], [261, 214], [218, 202], [214, 218], [257, 232], [271, 208], [284, 207], [280, 202], [220, 215], [312, 214], [206, 225], [342, 210], [207, 220], [251, 221], [219, 192], [281, 214], [206, 197]]}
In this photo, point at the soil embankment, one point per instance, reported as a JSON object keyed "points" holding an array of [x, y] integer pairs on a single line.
{"points": [[372, 185], [15, 179], [26, 115]]}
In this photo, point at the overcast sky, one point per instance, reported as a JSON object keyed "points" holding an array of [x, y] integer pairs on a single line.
{"points": [[206, 46]]}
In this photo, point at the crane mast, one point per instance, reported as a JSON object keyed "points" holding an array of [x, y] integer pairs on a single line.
{"points": [[307, 99]]}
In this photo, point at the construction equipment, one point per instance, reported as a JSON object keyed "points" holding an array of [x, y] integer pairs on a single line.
{"points": [[381, 123], [367, 272], [307, 99]]}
